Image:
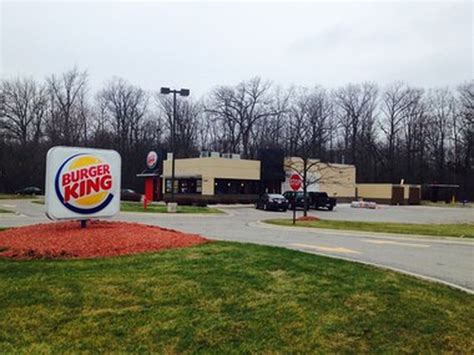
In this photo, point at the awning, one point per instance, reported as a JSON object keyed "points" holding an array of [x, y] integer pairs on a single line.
{"points": [[183, 176], [149, 173], [451, 186]]}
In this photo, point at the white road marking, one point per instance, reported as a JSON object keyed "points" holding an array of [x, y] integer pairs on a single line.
{"points": [[8, 206], [391, 242], [327, 249]]}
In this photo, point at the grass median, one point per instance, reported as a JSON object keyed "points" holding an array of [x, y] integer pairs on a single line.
{"points": [[447, 205], [226, 298], [138, 207], [465, 230], [2, 210]]}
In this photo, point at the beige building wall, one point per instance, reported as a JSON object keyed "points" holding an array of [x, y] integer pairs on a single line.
{"points": [[337, 180], [207, 186], [380, 191], [211, 168]]}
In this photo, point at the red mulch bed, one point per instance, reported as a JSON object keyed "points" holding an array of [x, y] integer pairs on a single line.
{"points": [[63, 240], [308, 218]]}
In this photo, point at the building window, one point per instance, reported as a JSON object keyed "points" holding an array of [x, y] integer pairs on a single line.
{"points": [[235, 187], [185, 186]]}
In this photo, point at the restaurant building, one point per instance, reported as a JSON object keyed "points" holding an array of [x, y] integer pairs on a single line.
{"points": [[227, 178], [213, 178]]}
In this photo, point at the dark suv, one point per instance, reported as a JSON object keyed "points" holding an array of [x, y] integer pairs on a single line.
{"points": [[321, 200], [316, 200], [295, 198]]}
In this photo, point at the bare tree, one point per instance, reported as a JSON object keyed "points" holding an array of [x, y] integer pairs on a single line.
{"points": [[404, 133], [414, 137], [356, 103], [309, 129], [67, 118], [397, 100], [125, 106], [441, 114], [320, 113], [464, 134], [239, 109], [188, 121], [270, 132], [24, 104]]}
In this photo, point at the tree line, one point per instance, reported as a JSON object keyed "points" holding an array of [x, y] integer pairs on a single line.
{"points": [[389, 133]]}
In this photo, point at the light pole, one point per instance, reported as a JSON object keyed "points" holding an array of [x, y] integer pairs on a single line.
{"points": [[181, 92]]}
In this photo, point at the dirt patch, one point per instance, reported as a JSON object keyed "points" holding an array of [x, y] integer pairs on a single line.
{"points": [[63, 240]]}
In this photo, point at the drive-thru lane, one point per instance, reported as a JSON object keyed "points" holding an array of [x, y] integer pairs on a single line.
{"points": [[447, 260]]}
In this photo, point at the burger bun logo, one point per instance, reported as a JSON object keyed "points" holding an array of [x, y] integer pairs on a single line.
{"points": [[151, 159], [84, 183]]}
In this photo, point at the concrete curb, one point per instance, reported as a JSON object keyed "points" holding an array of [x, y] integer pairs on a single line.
{"points": [[349, 233], [232, 206]]}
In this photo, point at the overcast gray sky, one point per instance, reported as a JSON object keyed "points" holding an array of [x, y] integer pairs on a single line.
{"points": [[201, 45]]}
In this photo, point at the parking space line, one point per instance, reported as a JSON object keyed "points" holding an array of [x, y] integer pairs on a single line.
{"points": [[326, 248]]}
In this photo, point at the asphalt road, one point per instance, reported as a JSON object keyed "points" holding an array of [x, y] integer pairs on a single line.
{"points": [[446, 260]]}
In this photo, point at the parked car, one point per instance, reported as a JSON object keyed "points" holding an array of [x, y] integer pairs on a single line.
{"points": [[30, 190], [316, 200], [272, 202], [130, 195], [321, 200]]}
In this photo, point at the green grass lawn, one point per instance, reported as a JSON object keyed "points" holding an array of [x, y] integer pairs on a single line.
{"points": [[450, 230], [2, 210], [444, 204], [226, 298], [138, 207]]}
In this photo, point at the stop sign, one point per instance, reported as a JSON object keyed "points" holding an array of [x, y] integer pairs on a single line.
{"points": [[295, 182]]}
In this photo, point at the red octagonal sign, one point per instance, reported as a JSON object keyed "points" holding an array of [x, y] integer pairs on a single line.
{"points": [[295, 182]]}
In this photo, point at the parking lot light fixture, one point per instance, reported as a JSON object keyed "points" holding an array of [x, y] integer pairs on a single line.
{"points": [[181, 92]]}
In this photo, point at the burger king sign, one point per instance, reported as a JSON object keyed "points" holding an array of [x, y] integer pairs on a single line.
{"points": [[82, 183]]}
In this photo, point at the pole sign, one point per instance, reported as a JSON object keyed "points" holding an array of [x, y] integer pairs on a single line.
{"points": [[295, 182], [151, 159], [82, 183]]}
